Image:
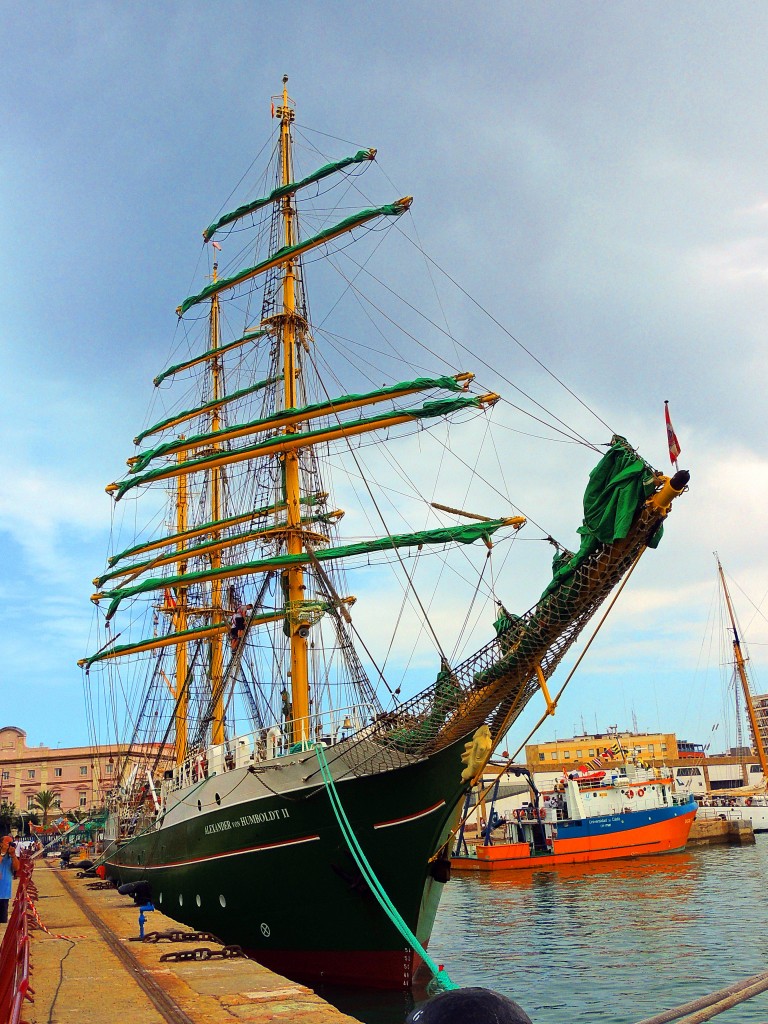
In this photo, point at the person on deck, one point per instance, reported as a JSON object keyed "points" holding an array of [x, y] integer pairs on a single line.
{"points": [[238, 624], [9, 865]]}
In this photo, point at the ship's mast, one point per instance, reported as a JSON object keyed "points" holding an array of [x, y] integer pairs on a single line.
{"points": [[217, 642], [742, 672], [293, 577], [181, 693]]}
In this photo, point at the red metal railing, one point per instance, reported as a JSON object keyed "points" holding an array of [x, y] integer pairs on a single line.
{"points": [[14, 950]]}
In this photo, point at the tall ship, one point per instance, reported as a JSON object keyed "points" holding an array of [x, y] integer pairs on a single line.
{"points": [[290, 786]]}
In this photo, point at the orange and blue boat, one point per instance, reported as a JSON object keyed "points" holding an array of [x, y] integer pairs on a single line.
{"points": [[588, 816]]}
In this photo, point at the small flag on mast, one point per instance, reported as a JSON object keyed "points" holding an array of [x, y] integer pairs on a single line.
{"points": [[674, 444]]}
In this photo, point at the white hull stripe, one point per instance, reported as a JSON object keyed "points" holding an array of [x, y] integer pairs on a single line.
{"points": [[214, 856], [410, 817]]}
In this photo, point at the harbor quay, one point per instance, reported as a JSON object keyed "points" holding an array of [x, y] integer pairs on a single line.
{"points": [[88, 968]]}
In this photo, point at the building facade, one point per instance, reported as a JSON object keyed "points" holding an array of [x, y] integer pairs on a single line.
{"points": [[693, 769], [80, 777]]}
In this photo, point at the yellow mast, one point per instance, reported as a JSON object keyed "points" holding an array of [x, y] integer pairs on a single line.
{"points": [[217, 642], [293, 577], [741, 669], [181, 694]]}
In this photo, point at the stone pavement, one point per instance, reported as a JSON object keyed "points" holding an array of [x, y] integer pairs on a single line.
{"points": [[78, 977]]}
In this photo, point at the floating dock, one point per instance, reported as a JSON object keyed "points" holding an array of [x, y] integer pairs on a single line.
{"points": [[86, 968]]}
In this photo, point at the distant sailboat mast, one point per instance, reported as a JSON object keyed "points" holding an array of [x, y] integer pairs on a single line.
{"points": [[742, 673]]}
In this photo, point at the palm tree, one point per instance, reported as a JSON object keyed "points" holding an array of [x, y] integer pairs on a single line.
{"points": [[7, 814], [46, 801]]}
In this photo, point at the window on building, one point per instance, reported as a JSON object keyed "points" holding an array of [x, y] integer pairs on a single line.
{"points": [[6, 776], [31, 803], [553, 755], [567, 755], [110, 766], [591, 753], [83, 769], [83, 799], [30, 773], [578, 753], [542, 756], [663, 747], [57, 772], [650, 748]]}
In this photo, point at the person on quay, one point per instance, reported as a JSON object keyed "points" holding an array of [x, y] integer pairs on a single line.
{"points": [[9, 865]]}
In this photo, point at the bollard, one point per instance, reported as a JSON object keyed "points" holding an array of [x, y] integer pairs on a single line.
{"points": [[147, 907]]}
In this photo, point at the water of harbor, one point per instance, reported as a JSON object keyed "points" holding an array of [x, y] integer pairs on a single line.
{"points": [[609, 943]]}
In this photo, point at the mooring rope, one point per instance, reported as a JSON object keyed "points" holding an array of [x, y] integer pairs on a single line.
{"points": [[707, 1007], [440, 980]]}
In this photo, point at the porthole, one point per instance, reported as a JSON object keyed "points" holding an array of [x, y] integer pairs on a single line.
{"points": [[198, 901], [223, 901], [218, 799], [199, 806]]}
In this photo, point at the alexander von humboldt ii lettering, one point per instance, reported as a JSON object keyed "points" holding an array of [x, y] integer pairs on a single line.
{"points": [[230, 662]]}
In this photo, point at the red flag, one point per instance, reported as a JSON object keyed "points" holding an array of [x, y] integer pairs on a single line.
{"points": [[674, 444]]}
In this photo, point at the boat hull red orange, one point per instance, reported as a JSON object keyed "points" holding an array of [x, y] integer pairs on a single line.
{"points": [[608, 837]]}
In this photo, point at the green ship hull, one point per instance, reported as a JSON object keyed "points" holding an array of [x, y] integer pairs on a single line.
{"points": [[274, 875]]}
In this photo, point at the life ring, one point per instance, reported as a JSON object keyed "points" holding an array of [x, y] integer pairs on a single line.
{"points": [[640, 792], [630, 794]]}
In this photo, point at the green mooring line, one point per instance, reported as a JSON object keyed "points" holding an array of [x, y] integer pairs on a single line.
{"points": [[440, 978]]}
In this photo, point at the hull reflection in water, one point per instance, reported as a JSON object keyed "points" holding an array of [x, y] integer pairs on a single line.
{"points": [[609, 943]]}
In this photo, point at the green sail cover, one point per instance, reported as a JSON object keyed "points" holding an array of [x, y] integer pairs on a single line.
{"points": [[464, 534], [219, 350], [213, 524], [438, 408], [188, 635], [200, 549], [198, 632], [213, 404], [318, 408], [354, 220], [284, 190], [618, 486]]}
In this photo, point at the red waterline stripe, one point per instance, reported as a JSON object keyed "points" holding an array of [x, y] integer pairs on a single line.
{"points": [[410, 817], [215, 856]]}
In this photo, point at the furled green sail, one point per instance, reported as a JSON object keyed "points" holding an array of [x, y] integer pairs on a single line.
{"points": [[205, 407], [464, 534], [322, 172], [229, 540], [307, 411], [617, 487], [290, 251], [219, 350], [429, 409], [210, 526]]}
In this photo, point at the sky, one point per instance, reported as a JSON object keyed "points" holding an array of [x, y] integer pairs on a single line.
{"points": [[594, 175]]}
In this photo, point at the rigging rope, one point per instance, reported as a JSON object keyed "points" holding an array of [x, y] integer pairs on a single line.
{"points": [[440, 980], [510, 761]]}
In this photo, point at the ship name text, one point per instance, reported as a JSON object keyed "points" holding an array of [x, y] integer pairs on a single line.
{"points": [[261, 818]]}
